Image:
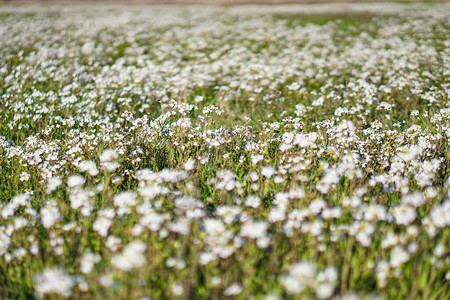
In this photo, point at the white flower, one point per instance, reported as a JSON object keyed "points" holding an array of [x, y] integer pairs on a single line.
{"points": [[146, 175], [415, 199], [172, 176], [49, 214], [183, 122], [256, 158], [113, 243], [205, 258], [187, 202], [79, 199], [278, 179], [324, 290], [439, 250], [228, 213], [88, 260], [110, 166], [382, 272], [190, 165], [216, 280], [268, 171], [102, 225], [103, 221], [203, 159], [5, 241], [24, 176], [177, 289], [292, 285], [301, 274], [69, 226], [253, 176], [131, 257], [389, 240], [276, 214], [440, 214], [106, 280], [252, 201], [254, 230], [52, 184], [89, 166], [303, 270], [431, 192], [316, 206], [319, 101], [234, 289], [124, 200], [213, 226], [306, 140], [404, 214], [34, 248], [375, 212], [108, 155], [181, 226], [398, 257], [331, 179], [75, 181], [54, 280], [17, 201], [413, 247]]}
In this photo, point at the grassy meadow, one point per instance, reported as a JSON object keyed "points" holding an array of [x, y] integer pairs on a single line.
{"points": [[225, 152]]}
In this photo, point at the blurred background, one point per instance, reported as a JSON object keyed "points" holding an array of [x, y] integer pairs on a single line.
{"points": [[224, 2]]}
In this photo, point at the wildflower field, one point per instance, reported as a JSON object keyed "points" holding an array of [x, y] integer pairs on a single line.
{"points": [[212, 152]]}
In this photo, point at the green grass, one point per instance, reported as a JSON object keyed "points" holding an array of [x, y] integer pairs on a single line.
{"points": [[382, 80]]}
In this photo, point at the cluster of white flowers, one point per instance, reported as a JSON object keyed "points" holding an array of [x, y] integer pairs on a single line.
{"points": [[131, 257], [303, 275], [214, 145], [54, 280]]}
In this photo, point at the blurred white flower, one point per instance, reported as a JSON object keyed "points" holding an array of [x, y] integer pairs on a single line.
{"points": [[254, 230], [24, 176], [74, 181], [88, 260], [189, 165], [404, 214], [89, 166], [398, 257], [177, 289], [232, 290], [54, 280], [49, 214], [52, 184], [108, 155], [252, 201], [300, 275], [268, 171], [415, 199], [131, 257]]}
